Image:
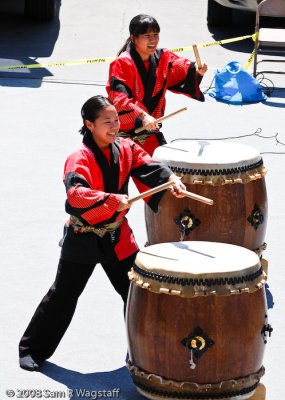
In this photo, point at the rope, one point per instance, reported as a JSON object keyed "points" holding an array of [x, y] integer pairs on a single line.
{"points": [[256, 133]]}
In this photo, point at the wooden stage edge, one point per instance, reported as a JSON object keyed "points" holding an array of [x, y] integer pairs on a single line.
{"points": [[260, 393]]}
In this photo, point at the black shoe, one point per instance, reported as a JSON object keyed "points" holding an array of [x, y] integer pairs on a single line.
{"points": [[127, 359], [28, 363]]}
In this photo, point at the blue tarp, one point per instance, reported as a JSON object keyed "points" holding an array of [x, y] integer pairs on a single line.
{"points": [[234, 85]]}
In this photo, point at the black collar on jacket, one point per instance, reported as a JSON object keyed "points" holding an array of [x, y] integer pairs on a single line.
{"points": [[148, 77]]}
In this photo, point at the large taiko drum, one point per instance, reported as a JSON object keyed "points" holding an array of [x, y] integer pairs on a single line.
{"points": [[196, 321], [231, 174]]}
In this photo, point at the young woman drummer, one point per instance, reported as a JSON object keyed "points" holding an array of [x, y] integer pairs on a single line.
{"points": [[140, 76], [96, 178]]}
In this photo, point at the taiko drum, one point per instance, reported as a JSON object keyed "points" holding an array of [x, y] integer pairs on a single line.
{"points": [[232, 175], [196, 321]]}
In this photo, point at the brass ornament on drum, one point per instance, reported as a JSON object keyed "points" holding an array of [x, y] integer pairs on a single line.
{"points": [[232, 175], [197, 321]]}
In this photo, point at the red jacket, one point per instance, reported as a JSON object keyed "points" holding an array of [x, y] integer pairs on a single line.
{"points": [[135, 87], [94, 191]]}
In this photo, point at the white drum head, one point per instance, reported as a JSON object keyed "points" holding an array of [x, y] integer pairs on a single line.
{"points": [[212, 162], [204, 154], [197, 259], [194, 268]]}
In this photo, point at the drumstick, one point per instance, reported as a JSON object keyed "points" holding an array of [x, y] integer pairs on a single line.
{"points": [[166, 186], [142, 128], [197, 197], [197, 56], [151, 191]]}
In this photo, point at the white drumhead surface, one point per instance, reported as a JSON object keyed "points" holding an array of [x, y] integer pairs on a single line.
{"points": [[197, 259], [204, 154]]}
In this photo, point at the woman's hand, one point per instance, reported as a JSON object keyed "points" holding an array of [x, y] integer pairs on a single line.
{"points": [[148, 122], [201, 71], [124, 205], [177, 187]]}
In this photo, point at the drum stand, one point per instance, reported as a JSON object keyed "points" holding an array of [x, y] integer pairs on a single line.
{"points": [[260, 393]]}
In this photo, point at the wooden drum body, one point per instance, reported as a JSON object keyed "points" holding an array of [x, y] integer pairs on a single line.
{"points": [[196, 321], [232, 175]]}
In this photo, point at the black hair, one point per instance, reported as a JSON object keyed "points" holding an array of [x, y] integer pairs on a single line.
{"points": [[140, 25], [91, 109]]}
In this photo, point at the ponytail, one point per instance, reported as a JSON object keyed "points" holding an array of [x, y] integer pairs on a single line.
{"points": [[124, 48], [83, 130]]}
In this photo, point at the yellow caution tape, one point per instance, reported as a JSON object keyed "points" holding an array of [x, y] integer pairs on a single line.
{"points": [[249, 61], [59, 64], [109, 59], [219, 42], [224, 41]]}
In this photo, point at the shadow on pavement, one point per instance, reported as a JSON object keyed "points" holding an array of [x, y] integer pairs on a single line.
{"points": [[242, 24], [23, 42], [274, 92], [94, 385], [117, 382]]}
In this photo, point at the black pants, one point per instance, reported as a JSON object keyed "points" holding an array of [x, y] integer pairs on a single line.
{"points": [[54, 313]]}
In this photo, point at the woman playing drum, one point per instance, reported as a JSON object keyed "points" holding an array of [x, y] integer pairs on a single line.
{"points": [[140, 76]]}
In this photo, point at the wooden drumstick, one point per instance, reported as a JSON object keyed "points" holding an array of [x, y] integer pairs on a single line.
{"points": [[142, 128], [198, 197], [166, 186], [151, 191], [197, 56]]}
